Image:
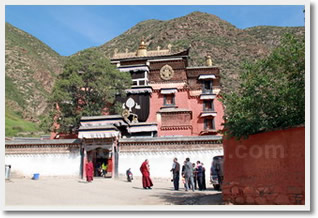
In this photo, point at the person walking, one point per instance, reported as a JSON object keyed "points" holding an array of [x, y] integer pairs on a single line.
{"points": [[176, 173], [89, 170], [200, 175], [145, 171], [188, 174]]}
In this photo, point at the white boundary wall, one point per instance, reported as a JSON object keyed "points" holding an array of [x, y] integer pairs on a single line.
{"points": [[63, 164], [161, 162]]}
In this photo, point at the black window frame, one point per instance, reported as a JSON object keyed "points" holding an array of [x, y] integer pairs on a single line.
{"points": [[204, 82], [136, 81]]}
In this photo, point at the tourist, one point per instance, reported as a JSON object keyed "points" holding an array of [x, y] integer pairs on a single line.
{"points": [[176, 173], [195, 178], [200, 175], [144, 169], [182, 174], [188, 174], [104, 169], [219, 170], [89, 170], [203, 178]]}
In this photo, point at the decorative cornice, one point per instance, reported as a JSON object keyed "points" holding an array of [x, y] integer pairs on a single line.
{"points": [[178, 89], [181, 127]]}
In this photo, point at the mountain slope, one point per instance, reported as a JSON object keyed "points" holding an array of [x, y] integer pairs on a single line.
{"points": [[31, 69], [205, 34]]}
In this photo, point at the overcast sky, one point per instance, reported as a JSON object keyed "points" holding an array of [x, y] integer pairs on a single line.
{"points": [[68, 29]]}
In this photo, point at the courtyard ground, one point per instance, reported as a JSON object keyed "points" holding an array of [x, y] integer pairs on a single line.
{"points": [[74, 192]]}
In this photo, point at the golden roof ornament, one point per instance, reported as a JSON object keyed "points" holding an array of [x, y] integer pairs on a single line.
{"points": [[142, 50], [169, 47], [208, 61]]}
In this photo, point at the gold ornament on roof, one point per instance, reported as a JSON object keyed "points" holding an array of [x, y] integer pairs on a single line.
{"points": [[142, 50], [169, 47], [208, 61]]}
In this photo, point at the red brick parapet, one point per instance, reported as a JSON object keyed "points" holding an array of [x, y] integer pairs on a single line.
{"points": [[266, 169]]}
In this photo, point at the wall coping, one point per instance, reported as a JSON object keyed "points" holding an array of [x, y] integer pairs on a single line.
{"points": [[172, 139], [43, 142]]}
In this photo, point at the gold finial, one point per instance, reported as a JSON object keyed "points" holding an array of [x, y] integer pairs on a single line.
{"points": [[126, 50], [158, 48], [169, 47], [208, 61], [142, 50]]}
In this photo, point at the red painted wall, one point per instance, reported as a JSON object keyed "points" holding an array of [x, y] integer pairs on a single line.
{"points": [[184, 101], [267, 168]]}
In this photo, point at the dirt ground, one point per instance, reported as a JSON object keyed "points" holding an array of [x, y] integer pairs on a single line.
{"points": [[102, 192]]}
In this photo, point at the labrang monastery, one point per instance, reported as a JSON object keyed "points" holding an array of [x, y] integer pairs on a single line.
{"points": [[172, 110]]}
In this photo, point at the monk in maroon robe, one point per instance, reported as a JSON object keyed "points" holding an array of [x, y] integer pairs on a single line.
{"points": [[144, 169], [89, 171]]}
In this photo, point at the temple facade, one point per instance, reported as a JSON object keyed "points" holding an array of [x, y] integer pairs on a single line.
{"points": [[171, 110], [181, 100]]}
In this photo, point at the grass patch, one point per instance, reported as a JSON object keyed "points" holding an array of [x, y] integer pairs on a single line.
{"points": [[16, 126], [11, 92]]}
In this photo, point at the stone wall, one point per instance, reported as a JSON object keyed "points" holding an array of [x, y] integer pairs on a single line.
{"points": [[267, 168]]}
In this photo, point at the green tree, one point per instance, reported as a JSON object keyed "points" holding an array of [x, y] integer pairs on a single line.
{"points": [[89, 86], [271, 93]]}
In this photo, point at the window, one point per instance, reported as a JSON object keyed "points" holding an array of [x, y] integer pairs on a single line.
{"points": [[208, 105], [209, 124], [139, 78], [168, 100], [207, 86]]}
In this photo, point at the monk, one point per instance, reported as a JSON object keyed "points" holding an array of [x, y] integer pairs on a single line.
{"points": [[89, 171], [144, 169]]}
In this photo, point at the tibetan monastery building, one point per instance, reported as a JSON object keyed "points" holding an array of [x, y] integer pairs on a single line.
{"points": [[182, 100], [172, 110]]}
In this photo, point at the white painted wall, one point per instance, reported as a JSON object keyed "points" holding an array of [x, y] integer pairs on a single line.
{"points": [[67, 164], [161, 162]]}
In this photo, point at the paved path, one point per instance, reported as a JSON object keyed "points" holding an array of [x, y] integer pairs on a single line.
{"points": [[101, 192]]}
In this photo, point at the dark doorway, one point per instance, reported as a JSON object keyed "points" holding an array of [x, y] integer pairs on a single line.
{"points": [[100, 159]]}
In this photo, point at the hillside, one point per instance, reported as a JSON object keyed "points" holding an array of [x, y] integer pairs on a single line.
{"points": [[205, 34], [31, 69]]}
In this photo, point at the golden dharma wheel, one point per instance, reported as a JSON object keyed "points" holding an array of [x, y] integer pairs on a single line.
{"points": [[125, 113]]}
